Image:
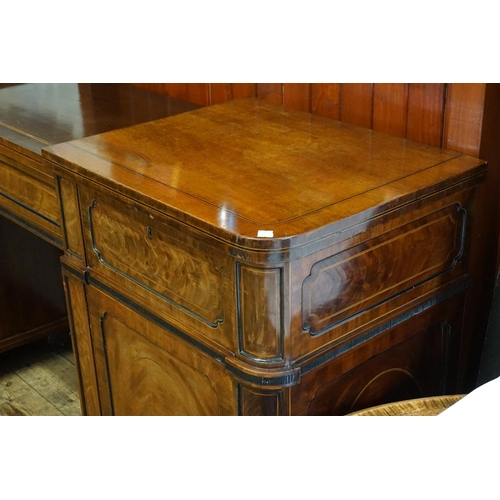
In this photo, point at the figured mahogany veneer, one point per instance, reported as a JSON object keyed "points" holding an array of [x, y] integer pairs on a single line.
{"points": [[33, 116], [353, 296], [341, 286]]}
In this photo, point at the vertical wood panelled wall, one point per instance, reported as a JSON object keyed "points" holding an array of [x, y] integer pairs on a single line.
{"points": [[440, 114], [463, 117]]}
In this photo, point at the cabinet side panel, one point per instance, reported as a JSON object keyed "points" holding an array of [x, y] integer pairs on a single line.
{"points": [[410, 370], [418, 357]]}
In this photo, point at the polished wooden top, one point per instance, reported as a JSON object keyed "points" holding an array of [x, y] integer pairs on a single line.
{"points": [[247, 165], [35, 115]]}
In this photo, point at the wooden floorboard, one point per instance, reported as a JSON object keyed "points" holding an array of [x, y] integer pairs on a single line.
{"points": [[39, 380]]}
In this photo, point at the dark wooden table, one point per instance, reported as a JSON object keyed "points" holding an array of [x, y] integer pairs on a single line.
{"points": [[33, 116], [250, 259]]}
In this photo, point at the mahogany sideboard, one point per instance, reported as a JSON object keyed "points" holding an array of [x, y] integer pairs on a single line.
{"points": [[33, 116], [249, 259]]}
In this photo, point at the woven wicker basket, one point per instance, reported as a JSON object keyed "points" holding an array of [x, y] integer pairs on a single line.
{"points": [[423, 407]]}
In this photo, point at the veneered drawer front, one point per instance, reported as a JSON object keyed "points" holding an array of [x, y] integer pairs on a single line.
{"points": [[27, 197], [396, 266], [140, 253], [363, 276]]}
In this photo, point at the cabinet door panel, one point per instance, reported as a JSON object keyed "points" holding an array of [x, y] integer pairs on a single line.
{"points": [[412, 369], [413, 359], [146, 370]]}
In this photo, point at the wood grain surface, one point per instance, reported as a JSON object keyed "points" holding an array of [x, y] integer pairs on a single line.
{"points": [[181, 306], [34, 115], [448, 115], [228, 174]]}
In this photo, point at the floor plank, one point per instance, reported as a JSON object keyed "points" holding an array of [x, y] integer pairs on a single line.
{"points": [[18, 398], [39, 379]]}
